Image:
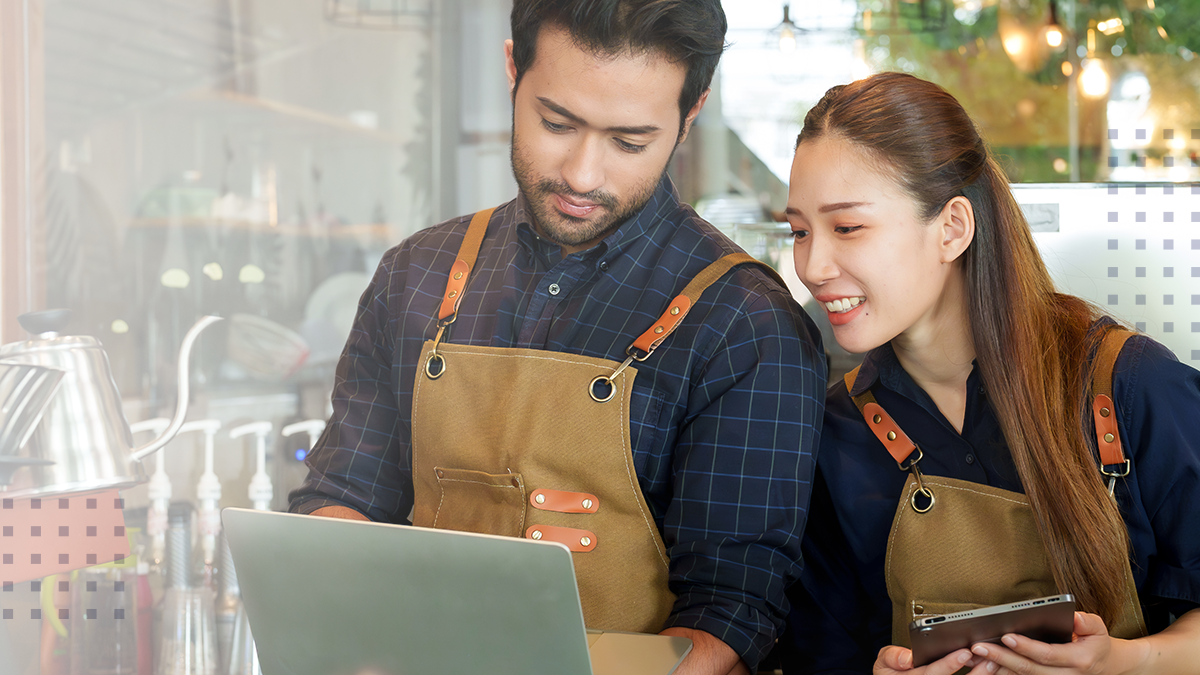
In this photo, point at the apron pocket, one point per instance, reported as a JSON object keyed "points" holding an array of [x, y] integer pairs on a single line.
{"points": [[474, 501]]}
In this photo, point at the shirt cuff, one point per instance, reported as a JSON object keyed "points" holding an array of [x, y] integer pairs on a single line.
{"points": [[743, 628], [306, 505]]}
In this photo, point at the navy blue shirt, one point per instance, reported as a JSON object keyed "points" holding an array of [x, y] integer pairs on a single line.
{"points": [[725, 414], [841, 613]]}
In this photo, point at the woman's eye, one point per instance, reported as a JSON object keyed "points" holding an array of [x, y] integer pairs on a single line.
{"points": [[799, 234], [629, 147], [554, 128], [847, 229]]}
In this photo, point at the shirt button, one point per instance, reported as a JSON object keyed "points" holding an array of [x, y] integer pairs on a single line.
{"points": [[603, 266], [554, 289], [970, 458]]}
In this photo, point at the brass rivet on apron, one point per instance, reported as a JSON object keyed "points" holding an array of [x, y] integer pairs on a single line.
{"points": [[658, 329], [453, 294], [541, 499], [877, 419], [1105, 412], [458, 275], [536, 534], [674, 311], [441, 474], [516, 483], [1108, 438], [918, 609], [891, 435], [585, 541], [587, 503]]}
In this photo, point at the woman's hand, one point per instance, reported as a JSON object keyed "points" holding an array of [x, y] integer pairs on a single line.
{"points": [[895, 659], [1091, 651]]}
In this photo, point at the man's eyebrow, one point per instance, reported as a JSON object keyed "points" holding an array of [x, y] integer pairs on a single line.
{"points": [[629, 131]]}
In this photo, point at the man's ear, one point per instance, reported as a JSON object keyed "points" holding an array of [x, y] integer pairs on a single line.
{"points": [[510, 67], [691, 116], [957, 223]]}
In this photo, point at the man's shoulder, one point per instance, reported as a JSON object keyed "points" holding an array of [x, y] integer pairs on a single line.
{"points": [[710, 244], [442, 239]]}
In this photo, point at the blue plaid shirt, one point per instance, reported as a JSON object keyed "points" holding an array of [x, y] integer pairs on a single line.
{"points": [[725, 414]]}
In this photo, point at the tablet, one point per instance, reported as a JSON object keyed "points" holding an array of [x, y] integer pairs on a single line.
{"points": [[1049, 619]]}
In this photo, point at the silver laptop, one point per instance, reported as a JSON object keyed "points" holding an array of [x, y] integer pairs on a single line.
{"points": [[342, 597]]}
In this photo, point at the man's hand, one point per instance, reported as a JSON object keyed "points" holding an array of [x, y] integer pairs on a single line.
{"points": [[343, 512], [709, 655]]}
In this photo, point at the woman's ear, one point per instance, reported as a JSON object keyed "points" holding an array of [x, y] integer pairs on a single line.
{"points": [[957, 222]]}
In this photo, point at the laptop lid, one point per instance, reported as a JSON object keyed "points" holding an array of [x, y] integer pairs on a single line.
{"points": [[340, 597]]}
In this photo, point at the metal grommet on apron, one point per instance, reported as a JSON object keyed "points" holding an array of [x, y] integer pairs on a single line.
{"points": [[956, 545], [534, 443]]}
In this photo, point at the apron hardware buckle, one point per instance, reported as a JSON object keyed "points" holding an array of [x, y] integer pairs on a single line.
{"points": [[630, 352], [429, 372], [608, 380], [921, 489], [1114, 475], [433, 352]]}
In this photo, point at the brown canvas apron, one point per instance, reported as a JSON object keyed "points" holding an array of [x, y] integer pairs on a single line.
{"points": [[956, 545], [533, 443]]}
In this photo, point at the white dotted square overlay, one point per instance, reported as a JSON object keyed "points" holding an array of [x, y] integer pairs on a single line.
{"points": [[1131, 248]]}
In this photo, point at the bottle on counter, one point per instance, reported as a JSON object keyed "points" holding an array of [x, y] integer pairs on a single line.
{"points": [[188, 636]]}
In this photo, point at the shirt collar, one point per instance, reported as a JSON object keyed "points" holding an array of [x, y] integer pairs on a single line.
{"points": [[881, 365]]}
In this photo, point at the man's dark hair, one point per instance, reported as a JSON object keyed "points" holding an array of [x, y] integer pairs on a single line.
{"points": [[691, 32]]}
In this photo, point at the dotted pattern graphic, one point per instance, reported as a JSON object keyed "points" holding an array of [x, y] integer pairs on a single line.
{"points": [[1133, 249], [40, 537]]}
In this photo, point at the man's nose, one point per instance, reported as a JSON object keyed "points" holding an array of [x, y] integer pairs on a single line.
{"points": [[583, 169]]}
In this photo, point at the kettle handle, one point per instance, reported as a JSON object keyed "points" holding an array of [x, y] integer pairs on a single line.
{"points": [[185, 351]]}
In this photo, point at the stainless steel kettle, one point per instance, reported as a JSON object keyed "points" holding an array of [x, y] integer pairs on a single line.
{"points": [[83, 441]]}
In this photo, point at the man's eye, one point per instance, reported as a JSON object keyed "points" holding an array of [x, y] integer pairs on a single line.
{"points": [[554, 128], [629, 147]]}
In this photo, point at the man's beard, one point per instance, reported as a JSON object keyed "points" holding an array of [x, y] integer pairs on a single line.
{"points": [[566, 230]]}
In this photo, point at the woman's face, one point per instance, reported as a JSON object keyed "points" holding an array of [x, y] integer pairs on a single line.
{"points": [[861, 247]]}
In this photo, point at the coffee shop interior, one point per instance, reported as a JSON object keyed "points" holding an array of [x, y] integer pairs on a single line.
{"points": [[166, 160]]}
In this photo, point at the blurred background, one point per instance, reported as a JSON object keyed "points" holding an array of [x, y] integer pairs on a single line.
{"points": [[165, 159]]}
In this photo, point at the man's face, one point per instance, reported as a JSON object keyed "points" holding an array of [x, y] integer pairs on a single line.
{"points": [[592, 136]]}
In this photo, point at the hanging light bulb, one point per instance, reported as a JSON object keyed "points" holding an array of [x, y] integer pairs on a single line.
{"points": [[1054, 33], [787, 40], [1093, 79], [786, 30]]}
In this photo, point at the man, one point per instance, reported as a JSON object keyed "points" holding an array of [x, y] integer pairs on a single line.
{"points": [[492, 381]]}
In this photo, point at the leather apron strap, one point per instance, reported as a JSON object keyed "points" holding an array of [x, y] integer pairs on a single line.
{"points": [[533, 443]]}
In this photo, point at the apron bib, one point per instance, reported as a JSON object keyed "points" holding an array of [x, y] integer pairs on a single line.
{"points": [[536, 444], [976, 546], [956, 545]]}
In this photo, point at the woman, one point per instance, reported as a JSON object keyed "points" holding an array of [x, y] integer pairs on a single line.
{"points": [[905, 229]]}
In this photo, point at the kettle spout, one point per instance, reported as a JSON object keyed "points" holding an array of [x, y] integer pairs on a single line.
{"points": [[185, 352]]}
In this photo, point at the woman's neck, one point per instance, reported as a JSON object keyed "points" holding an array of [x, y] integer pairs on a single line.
{"points": [[938, 353]]}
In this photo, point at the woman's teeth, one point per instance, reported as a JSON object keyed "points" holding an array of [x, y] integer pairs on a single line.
{"points": [[844, 304]]}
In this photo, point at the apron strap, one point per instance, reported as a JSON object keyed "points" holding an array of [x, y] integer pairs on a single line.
{"points": [[1108, 437], [894, 440], [467, 253], [682, 303], [1104, 413]]}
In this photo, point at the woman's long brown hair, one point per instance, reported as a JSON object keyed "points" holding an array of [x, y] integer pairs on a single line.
{"points": [[1032, 344]]}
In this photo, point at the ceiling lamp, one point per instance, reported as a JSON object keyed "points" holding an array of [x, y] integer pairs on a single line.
{"points": [[786, 32]]}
